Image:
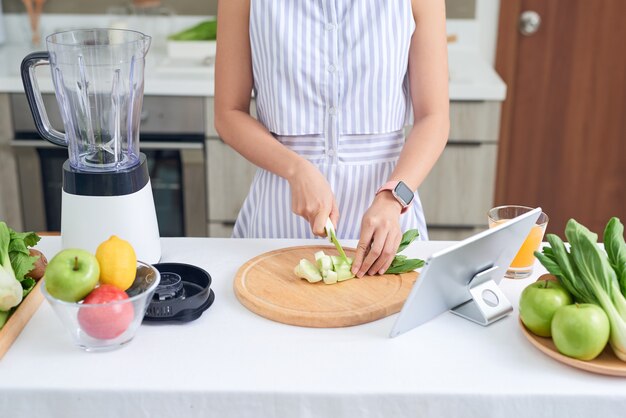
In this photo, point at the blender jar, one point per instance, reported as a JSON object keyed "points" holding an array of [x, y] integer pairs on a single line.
{"points": [[98, 76]]}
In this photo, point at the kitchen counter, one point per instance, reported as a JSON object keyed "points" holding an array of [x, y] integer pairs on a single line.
{"points": [[233, 363]]}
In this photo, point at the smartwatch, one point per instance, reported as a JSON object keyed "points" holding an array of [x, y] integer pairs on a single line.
{"points": [[403, 193]]}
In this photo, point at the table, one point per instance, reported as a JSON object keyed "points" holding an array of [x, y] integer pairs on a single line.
{"points": [[233, 363]]}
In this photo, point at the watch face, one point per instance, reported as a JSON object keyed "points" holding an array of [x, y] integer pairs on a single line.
{"points": [[403, 192]]}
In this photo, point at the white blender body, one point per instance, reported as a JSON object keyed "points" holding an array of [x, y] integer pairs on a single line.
{"points": [[124, 218], [98, 78]]}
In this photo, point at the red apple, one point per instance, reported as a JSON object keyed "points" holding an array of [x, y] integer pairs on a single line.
{"points": [[108, 321]]}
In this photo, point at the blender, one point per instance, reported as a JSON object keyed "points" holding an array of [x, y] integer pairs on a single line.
{"points": [[98, 77]]}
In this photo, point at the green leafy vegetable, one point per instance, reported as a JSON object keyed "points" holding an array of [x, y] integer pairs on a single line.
{"points": [[21, 260], [400, 263], [11, 292], [585, 271], [405, 266], [407, 238], [616, 250], [204, 31], [398, 260], [4, 316], [15, 263]]}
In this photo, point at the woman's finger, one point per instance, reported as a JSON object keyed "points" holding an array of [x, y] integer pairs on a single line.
{"points": [[376, 249], [319, 222], [367, 231], [389, 252], [384, 255]]}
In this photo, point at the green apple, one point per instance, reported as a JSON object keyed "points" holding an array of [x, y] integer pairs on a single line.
{"points": [[72, 274], [580, 331], [539, 302]]}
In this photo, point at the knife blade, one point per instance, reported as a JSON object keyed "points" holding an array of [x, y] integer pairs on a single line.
{"points": [[330, 233]]}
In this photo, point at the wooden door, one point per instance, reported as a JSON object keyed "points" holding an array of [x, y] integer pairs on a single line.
{"points": [[563, 130]]}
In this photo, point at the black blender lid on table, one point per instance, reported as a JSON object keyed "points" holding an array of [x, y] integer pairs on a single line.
{"points": [[183, 294]]}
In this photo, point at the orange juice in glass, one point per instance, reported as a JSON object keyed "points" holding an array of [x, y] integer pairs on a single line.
{"points": [[522, 265]]}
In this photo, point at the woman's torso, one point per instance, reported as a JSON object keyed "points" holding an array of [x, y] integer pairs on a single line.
{"points": [[318, 63], [330, 80]]}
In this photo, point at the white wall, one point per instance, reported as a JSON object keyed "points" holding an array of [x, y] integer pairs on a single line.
{"points": [[487, 12]]}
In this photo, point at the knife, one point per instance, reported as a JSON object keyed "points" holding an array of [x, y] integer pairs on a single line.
{"points": [[330, 233]]}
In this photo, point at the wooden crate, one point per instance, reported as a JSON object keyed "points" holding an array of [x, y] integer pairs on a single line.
{"points": [[17, 321]]}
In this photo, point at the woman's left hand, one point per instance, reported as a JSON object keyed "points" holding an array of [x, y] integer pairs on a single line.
{"points": [[380, 236]]}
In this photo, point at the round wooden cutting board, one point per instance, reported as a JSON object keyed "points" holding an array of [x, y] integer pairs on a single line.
{"points": [[606, 363], [267, 286]]}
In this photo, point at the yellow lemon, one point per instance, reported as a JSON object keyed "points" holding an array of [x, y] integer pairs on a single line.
{"points": [[118, 262]]}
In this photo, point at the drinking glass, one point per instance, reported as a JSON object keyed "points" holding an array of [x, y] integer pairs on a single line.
{"points": [[522, 265]]}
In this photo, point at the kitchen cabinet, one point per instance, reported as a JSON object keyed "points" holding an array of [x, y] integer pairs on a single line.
{"points": [[10, 210], [229, 176], [459, 190], [456, 195]]}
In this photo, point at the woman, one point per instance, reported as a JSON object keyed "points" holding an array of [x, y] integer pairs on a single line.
{"points": [[335, 82]]}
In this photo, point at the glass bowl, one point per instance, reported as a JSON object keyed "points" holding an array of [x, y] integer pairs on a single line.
{"points": [[107, 326]]}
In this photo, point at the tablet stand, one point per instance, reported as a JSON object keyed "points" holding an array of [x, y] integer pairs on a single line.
{"points": [[486, 302]]}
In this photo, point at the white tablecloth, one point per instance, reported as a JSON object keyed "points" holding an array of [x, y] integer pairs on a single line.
{"points": [[233, 363]]}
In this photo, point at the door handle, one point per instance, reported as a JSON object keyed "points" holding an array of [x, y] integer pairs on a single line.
{"points": [[529, 22]]}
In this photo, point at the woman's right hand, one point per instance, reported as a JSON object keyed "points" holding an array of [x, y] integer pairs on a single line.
{"points": [[312, 197]]}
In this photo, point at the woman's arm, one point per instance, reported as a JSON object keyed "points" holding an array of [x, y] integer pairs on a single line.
{"points": [[428, 76], [312, 197]]}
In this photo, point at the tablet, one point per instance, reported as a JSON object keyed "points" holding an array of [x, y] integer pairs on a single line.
{"points": [[464, 278]]}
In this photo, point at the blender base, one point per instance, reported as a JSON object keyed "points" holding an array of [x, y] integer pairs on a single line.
{"points": [[87, 221]]}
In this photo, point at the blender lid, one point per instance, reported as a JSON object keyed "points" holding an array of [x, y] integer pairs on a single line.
{"points": [[183, 294]]}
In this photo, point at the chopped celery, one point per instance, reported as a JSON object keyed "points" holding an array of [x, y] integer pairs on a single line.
{"points": [[325, 264], [344, 274], [309, 271], [331, 277]]}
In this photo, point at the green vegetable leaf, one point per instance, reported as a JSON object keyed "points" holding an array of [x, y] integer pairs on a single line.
{"points": [[23, 240], [407, 238], [5, 239], [397, 260], [27, 285], [4, 316], [406, 266], [204, 31], [568, 276], [21, 260], [616, 250], [549, 263], [22, 264], [591, 261]]}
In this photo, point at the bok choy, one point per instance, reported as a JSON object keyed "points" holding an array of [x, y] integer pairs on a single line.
{"points": [[590, 274], [11, 292], [16, 264]]}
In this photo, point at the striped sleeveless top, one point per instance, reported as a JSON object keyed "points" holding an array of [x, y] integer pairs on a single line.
{"points": [[311, 57], [331, 84]]}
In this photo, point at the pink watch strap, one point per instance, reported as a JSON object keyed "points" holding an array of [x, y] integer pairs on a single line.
{"points": [[391, 185]]}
